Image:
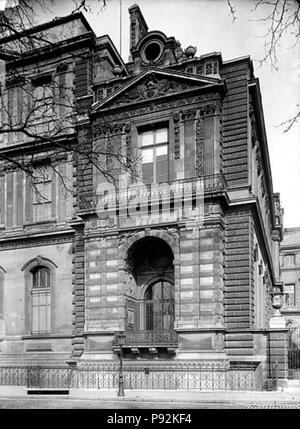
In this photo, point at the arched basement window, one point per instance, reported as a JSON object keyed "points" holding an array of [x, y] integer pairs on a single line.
{"points": [[40, 301], [159, 304]]}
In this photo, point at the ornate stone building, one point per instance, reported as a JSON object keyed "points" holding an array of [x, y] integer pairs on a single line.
{"points": [[290, 274], [190, 281]]}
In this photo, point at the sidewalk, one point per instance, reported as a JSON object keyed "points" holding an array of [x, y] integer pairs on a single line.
{"points": [[286, 395]]}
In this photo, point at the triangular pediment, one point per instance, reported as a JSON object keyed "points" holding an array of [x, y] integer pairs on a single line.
{"points": [[154, 83]]}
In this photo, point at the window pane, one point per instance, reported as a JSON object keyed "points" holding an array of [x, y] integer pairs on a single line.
{"points": [[42, 277], [162, 150], [147, 138], [147, 155], [40, 312], [290, 294], [162, 135], [289, 288], [162, 169], [35, 279], [147, 173]]}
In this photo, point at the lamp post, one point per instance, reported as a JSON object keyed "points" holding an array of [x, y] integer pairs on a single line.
{"points": [[121, 341]]}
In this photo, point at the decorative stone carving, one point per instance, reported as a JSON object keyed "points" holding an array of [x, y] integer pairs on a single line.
{"points": [[176, 118], [200, 69], [255, 252], [277, 302], [62, 68], [207, 109], [199, 147], [85, 201], [111, 128], [188, 114], [127, 129], [190, 51], [152, 107], [253, 130], [153, 87], [263, 189], [258, 161]]}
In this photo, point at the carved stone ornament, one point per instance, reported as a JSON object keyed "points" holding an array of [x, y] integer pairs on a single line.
{"points": [[258, 161], [176, 118], [277, 302], [253, 131], [39, 260], [111, 128], [188, 114], [199, 147], [207, 109], [263, 189], [133, 111], [127, 128], [153, 87]]}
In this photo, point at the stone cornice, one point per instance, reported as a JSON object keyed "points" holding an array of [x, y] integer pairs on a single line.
{"points": [[37, 145], [34, 240], [258, 112]]}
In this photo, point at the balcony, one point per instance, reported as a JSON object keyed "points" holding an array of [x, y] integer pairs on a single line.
{"points": [[153, 199], [151, 340]]}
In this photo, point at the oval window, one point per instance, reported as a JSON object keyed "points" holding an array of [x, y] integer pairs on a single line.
{"points": [[152, 51]]}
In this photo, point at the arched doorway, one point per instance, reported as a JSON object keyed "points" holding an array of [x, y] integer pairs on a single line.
{"points": [[150, 301]]}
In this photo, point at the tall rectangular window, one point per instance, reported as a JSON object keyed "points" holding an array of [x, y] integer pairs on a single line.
{"points": [[289, 290], [154, 146], [43, 98], [40, 295], [42, 195]]}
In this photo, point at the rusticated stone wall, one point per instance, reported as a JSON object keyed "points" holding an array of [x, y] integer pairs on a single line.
{"points": [[235, 123], [238, 289], [78, 301]]}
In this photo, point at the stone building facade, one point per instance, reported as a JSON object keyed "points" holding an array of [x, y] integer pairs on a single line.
{"points": [[290, 274], [188, 278]]}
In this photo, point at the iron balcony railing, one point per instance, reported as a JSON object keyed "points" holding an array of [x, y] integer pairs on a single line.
{"points": [[148, 339], [176, 191]]}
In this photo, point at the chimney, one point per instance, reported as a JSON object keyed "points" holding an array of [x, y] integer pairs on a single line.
{"points": [[138, 26]]}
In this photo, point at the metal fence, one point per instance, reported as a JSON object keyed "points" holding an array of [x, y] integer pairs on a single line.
{"points": [[207, 377], [272, 380], [294, 353]]}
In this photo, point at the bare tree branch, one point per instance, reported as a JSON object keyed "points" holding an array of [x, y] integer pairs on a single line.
{"points": [[281, 18], [232, 10]]}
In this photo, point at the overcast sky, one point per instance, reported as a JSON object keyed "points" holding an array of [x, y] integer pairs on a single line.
{"points": [[208, 25]]}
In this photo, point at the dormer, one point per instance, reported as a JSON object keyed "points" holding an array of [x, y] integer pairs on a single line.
{"points": [[149, 48]]}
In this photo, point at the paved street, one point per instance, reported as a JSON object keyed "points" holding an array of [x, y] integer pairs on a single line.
{"points": [[49, 402]]}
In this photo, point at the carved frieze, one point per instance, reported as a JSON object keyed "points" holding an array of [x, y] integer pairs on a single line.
{"points": [[176, 119], [152, 107], [112, 128], [153, 87], [199, 146]]}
